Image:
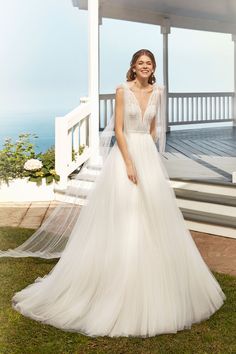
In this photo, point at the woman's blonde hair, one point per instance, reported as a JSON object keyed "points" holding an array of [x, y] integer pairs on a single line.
{"points": [[131, 75]]}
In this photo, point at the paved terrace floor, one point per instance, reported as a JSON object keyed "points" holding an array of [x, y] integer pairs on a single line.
{"points": [[218, 252], [206, 153]]}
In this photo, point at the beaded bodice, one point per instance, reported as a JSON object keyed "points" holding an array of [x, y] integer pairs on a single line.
{"points": [[134, 119]]}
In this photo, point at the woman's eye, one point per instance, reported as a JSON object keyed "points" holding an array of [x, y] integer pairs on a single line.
{"points": [[141, 63]]}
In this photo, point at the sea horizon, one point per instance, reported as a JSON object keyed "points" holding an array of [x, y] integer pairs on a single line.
{"points": [[40, 123]]}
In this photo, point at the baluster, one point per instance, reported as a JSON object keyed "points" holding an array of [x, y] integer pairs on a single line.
{"points": [[205, 108], [187, 108], [232, 113], [69, 144], [83, 132], [105, 112], [177, 109], [171, 116], [76, 134], [191, 105], [227, 107], [201, 107], [215, 116], [111, 106], [87, 130], [100, 114], [219, 108], [223, 113]]}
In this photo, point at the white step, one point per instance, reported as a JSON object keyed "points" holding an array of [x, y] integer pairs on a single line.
{"points": [[69, 199], [214, 188], [207, 207], [211, 229], [210, 205]]}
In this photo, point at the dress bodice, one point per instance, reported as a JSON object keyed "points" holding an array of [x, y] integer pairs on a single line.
{"points": [[134, 119]]}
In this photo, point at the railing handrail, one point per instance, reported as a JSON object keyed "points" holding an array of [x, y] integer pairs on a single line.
{"points": [[78, 114], [106, 95], [69, 131], [201, 94]]}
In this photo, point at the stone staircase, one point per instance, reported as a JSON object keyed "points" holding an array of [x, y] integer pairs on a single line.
{"points": [[207, 206]]}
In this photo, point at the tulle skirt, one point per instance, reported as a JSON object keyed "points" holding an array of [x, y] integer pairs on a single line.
{"points": [[130, 267]]}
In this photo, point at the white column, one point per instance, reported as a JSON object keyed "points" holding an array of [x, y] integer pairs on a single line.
{"points": [[62, 150], [234, 100], [165, 30], [93, 19]]}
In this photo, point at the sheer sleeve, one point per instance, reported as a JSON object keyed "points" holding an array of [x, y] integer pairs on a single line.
{"points": [[160, 120], [107, 134]]}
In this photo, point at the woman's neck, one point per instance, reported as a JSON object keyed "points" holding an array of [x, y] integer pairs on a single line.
{"points": [[141, 84]]}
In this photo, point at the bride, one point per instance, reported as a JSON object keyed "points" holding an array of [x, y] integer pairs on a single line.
{"points": [[130, 266]]}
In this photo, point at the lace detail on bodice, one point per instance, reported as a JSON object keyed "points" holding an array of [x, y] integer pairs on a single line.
{"points": [[134, 119]]}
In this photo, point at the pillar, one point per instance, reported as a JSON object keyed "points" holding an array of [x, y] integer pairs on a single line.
{"points": [[93, 76], [165, 30], [234, 99]]}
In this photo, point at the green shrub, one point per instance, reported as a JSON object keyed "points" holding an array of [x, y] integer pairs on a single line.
{"points": [[14, 155], [48, 169], [76, 153]]}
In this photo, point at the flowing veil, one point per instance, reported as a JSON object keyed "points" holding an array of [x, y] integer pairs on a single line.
{"points": [[50, 239]]}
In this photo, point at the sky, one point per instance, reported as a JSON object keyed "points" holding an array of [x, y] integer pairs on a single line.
{"points": [[44, 55]]}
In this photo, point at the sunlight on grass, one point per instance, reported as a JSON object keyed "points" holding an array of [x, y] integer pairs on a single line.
{"points": [[19, 334]]}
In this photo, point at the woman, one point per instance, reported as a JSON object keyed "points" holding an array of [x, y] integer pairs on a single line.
{"points": [[130, 267]]}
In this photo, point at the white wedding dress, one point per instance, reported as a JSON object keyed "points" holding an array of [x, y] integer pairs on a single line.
{"points": [[130, 267]]}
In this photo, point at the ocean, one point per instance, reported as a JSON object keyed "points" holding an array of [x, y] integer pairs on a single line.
{"points": [[41, 123]]}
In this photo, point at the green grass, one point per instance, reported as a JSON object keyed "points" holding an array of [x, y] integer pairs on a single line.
{"points": [[19, 334]]}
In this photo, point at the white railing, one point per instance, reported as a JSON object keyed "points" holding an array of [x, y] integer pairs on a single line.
{"points": [[106, 108], [74, 129], [184, 108], [71, 132], [200, 107]]}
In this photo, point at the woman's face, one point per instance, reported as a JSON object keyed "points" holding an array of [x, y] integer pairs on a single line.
{"points": [[143, 67]]}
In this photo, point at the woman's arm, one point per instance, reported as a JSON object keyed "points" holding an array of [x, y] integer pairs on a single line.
{"points": [[120, 138]]}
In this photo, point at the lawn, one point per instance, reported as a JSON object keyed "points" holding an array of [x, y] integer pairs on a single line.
{"points": [[24, 336]]}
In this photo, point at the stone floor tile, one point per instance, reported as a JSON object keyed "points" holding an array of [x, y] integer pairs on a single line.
{"points": [[12, 216], [31, 222], [36, 211]]}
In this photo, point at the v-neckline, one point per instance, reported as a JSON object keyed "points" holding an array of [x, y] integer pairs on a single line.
{"points": [[142, 114]]}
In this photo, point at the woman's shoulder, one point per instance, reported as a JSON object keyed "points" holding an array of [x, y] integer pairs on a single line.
{"points": [[160, 87], [121, 86]]}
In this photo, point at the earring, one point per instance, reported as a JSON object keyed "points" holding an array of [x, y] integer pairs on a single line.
{"points": [[153, 77]]}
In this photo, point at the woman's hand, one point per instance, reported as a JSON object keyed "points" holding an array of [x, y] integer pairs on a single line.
{"points": [[131, 172]]}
